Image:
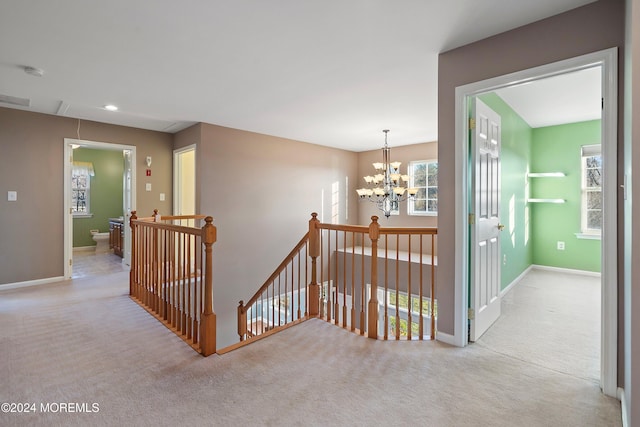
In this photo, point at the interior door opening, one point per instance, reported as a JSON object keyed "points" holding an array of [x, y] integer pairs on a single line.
{"points": [[607, 61], [126, 183]]}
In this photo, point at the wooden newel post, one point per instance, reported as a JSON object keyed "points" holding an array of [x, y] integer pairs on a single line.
{"points": [[133, 272], [372, 324], [242, 321], [314, 252], [208, 321]]}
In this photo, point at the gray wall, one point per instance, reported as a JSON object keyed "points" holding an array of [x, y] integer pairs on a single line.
{"points": [[261, 191], [32, 242], [591, 28]]}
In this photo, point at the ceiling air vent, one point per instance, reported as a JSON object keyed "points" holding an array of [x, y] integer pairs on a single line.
{"points": [[23, 102]]}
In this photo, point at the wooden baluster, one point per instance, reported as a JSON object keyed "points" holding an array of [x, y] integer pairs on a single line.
{"points": [[133, 273], [409, 298], [421, 293], [330, 282], [386, 286], [344, 279], [397, 288], [433, 289], [353, 282], [314, 250], [374, 233], [362, 289], [189, 290], [336, 299], [242, 321], [208, 325]]}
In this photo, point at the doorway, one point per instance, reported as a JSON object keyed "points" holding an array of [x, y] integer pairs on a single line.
{"points": [[607, 60], [128, 194], [184, 181]]}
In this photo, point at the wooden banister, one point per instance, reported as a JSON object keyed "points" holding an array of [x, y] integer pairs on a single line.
{"points": [[314, 252], [172, 275], [351, 268]]}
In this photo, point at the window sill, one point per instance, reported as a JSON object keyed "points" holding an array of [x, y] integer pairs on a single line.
{"points": [[82, 215], [588, 236], [423, 213]]}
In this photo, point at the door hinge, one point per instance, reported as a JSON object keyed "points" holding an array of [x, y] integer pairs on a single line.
{"points": [[472, 124], [471, 314], [472, 219], [70, 261]]}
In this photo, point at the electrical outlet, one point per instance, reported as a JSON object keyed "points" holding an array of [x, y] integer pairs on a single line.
{"points": [[504, 259], [561, 246], [162, 197]]}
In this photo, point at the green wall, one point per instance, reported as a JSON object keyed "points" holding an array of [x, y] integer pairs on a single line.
{"points": [[516, 245], [558, 149], [106, 193]]}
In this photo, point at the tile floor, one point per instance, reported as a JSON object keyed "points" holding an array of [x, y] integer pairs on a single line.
{"points": [[88, 263]]}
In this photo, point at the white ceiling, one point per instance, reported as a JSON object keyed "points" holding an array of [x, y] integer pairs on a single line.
{"points": [[327, 72]]}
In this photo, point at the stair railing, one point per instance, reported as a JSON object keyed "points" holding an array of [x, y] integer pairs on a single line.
{"points": [[372, 280], [172, 276]]}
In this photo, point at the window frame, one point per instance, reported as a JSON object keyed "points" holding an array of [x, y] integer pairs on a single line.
{"points": [[586, 151], [411, 201], [81, 170]]}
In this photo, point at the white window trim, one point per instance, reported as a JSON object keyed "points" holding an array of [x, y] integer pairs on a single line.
{"points": [[585, 232], [410, 202]]}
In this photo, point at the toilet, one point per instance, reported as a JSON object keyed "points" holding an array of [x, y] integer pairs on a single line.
{"points": [[102, 241]]}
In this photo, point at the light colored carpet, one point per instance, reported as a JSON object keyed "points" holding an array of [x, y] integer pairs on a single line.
{"points": [[551, 319], [86, 341]]}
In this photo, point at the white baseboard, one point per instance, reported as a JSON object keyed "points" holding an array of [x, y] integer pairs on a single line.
{"points": [[567, 270], [31, 283], [623, 406], [515, 281], [445, 338], [85, 248]]}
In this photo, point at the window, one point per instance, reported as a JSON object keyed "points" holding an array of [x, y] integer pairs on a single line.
{"points": [[81, 173], [424, 177], [591, 210]]}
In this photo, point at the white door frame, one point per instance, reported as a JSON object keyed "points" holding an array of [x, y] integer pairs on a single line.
{"points": [[608, 60], [68, 220]]}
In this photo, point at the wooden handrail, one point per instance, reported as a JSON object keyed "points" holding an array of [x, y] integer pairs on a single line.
{"points": [[279, 269], [172, 275], [338, 285]]}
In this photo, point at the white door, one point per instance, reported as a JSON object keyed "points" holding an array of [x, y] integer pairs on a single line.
{"points": [[485, 222]]}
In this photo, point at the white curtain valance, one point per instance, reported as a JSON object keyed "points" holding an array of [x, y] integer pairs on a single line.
{"points": [[84, 168]]}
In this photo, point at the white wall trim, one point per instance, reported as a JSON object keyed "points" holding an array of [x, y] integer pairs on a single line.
{"points": [[607, 59], [446, 338], [567, 270], [515, 281], [27, 283], [623, 406]]}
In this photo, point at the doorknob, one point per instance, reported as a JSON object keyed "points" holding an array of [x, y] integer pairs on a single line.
{"points": [[500, 227]]}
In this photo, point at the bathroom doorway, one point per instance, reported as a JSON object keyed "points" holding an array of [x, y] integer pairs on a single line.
{"points": [[78, 207]]}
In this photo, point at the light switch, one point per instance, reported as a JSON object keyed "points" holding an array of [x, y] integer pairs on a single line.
{"points": [[148, 186], [12, 196], [162, 197]]}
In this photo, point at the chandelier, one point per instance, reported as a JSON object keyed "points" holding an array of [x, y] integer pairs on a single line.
{"points": [[387, 189]]}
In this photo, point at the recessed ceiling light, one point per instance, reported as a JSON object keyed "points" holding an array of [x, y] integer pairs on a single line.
{"points": [[111, 107]]}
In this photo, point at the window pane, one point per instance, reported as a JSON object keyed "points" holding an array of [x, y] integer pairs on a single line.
{"points": [[420, 175], [433, 206], [433, 192], [422, 193], [594, 220], [594, 178], [594, 200], [420, 205]]}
